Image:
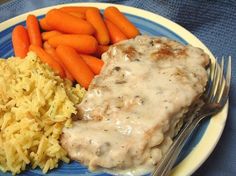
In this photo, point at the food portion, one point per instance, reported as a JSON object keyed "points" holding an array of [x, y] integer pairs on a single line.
{"points": [[135, 106], [118, 19], [83, 29], [35, 105]]}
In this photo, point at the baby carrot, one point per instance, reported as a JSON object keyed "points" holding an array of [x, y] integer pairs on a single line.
{"points": [[46, 45], [44, 25], [78, 9], [101, 49], [115, 34], [94, 17], [52, 52], [75, 64], [49, 34], [46, 58], [67, 23], [77, 14], [82, 43], [68, 74], [20, 41], [94, 63], [117, 18], [33, 30]]}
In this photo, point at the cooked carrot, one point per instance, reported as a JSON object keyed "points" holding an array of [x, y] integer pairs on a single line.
{"points": [[53, 54], [75, 64], [33, 30], [115, 34], [20, 41], [44, 25], [101, 49], [46, 58], [117, 18], [49, 34], [78, 9], [46, 45], [82, 43], [68, 74], [77, 14], [67, 23], [94, 17], [51, 51], [94, 63]]}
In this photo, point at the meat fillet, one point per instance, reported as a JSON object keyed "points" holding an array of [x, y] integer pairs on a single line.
{"points": [[133, 109]]}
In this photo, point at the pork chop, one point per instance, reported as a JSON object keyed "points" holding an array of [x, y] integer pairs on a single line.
{"points": [[133, 109]]}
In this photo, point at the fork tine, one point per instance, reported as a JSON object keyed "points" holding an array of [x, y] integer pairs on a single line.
{"points": [[221, 85], [228, 74], [227, 83], [213, 64], [215, 82], [210, 77], [222, 69], [210, 80]]}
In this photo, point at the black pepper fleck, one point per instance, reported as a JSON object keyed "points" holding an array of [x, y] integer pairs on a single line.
{"points": [[120, 82], [136, 60], [117, 68], [152, 43]]}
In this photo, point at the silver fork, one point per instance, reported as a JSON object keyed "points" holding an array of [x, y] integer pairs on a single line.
{"points": [[215, 97]]}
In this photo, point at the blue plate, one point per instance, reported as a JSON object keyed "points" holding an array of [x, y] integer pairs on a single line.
{"points": [[147, 23]]}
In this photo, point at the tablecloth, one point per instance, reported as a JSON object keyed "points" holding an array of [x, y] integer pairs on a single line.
{"points": [[213, 22]]}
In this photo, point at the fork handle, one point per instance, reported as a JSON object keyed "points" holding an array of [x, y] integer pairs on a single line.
{"points": [[164, 167]]}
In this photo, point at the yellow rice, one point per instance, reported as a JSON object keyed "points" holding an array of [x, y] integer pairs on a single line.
{"points": [[35, 105]]}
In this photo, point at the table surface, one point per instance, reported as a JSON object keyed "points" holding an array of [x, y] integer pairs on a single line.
{"points": [[213, 22]]}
